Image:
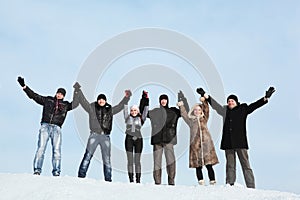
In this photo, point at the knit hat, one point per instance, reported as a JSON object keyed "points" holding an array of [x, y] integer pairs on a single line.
{"points": [[101, 96], [135, 107], [164, 96], [62, 91], [234, 97]]}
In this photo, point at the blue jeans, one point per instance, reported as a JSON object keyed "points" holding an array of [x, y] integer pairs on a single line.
{"points": [[53, 132], [94, 140]]}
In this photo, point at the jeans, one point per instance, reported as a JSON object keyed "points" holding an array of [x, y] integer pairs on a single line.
{"points": [[231, 167], [210, 170], [171, 162], [94, 140], [53, 132]]}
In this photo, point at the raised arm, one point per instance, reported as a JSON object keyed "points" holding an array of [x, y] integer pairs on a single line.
{"points": [[205, 107], [144, 105], [30, 93], [183, 112], [117, 108], [126, 113]]}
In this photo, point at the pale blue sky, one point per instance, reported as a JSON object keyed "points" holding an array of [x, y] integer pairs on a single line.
{"points": [[253, 45]]}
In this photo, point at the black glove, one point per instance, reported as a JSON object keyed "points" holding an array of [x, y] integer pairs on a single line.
{"points": [[145, 94], [180, 96], [76, 86], [21, 81], [128, 93], [200, 91], [269, 92]]}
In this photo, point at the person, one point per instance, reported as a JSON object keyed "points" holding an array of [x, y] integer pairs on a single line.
{"points": [[202, 150], [54, 113], [234, 137], [163, 138], [100, 123], [134, 140]]}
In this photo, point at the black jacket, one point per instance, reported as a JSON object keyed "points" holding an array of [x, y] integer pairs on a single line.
{"points": [[164, 125], [100, 117], [234, 128], [54, 110]]}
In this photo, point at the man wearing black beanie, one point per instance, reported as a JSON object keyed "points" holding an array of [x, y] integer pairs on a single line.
{"points": [[164, 124], [234, 137], [100, 122], [54, 113]]}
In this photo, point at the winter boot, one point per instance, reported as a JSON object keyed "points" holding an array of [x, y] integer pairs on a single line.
{"points": [[138, 177], [201, 182], [212, 182], [130, 175]]}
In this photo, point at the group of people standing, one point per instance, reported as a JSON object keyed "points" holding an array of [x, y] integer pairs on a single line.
{"points": [[164, 121]]}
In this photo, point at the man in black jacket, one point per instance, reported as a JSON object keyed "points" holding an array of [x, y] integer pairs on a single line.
{"points": [[234, 137], [164, 123], [100, 122], [54, 113]]}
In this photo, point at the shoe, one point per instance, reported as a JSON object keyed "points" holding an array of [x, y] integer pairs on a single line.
{"points": [[37, 173], [213, 182], [56, 174], [201, 182]]}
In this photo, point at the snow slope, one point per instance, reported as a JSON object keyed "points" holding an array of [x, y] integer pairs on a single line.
{"points": [[30, 187]]}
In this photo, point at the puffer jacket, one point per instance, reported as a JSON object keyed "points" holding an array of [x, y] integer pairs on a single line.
{"points": [[54, 110], [164, 125], [100, 117]]}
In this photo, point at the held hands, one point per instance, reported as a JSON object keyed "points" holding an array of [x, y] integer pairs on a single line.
{"points": [[269, 92], [21, 81], [200, 91], [128, 93], [76, 86]]}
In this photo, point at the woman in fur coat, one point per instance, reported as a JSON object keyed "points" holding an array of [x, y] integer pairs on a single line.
{"points": [[202, 150]]}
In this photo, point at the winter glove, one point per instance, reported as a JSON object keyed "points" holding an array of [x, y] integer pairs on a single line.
{"points": [[182, 98], [200, 91], [21, 81], [128, 93], [269, 92], [76, 86], [145, 94]]}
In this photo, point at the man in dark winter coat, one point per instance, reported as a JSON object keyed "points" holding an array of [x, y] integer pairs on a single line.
{"points": [[100, 122], [164, 124], [54, 113], [234, 137]]}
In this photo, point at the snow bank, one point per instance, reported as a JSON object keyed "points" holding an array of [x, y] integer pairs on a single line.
{"points": [[30, 187]]}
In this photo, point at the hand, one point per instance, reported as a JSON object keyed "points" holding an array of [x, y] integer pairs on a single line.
{"points": [[76, 86], [200, 91], [180, 96], [128, 93], [145, 94], [269, 92], [21, 81]]}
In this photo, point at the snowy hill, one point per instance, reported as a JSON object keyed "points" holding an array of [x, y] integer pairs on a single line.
{"points": [[30, 187]]}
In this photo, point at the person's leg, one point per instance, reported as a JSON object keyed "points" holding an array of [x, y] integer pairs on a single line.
{"points": [[199, 173], [56, 149], [171, 163], [106, 152], [89, 152], [41, 147], [247, 171], [138, 148], [129, 153], [211, 174], [230, 166], [157, 157]]}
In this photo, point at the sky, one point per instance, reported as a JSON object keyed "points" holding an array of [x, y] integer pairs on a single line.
{"points": [[251, 45]]}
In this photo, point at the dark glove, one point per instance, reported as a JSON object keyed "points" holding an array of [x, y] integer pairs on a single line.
{"points": [[269, 92], [21, 81], [76, 86], [128, 93], [145, 94], [200, 91], [180, 96]]}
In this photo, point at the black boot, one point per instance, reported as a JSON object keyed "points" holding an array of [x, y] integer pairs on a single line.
{"points": [[138, 177], [130, 175]]}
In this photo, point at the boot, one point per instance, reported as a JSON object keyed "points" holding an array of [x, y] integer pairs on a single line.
{"points": [[138, 177], [130, 175]]}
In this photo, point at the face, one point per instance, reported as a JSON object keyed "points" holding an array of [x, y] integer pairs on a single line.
{"points": [[59, 95], [164, 102], [231, 103], [101, 102], [197, 111], [134, 112]]}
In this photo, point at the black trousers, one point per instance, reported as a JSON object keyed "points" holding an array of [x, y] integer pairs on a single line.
{"points": [[134, 147], [210, 170]]}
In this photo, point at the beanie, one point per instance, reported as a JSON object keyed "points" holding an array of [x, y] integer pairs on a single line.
{"points": [[234, 97], [62, 91], [135, 107], [164, 96], [101, 96]]}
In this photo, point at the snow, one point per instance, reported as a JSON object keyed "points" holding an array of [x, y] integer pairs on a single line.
{"points": [[31, 187]]}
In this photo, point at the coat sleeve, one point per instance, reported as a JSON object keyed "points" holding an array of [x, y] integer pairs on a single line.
{"points": [[83, 101], [145, 113], [117, 108], [255, 105], [126, 113], [36, 97], [184, 115], [221, 110], [205, 109], [75, 102]]}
